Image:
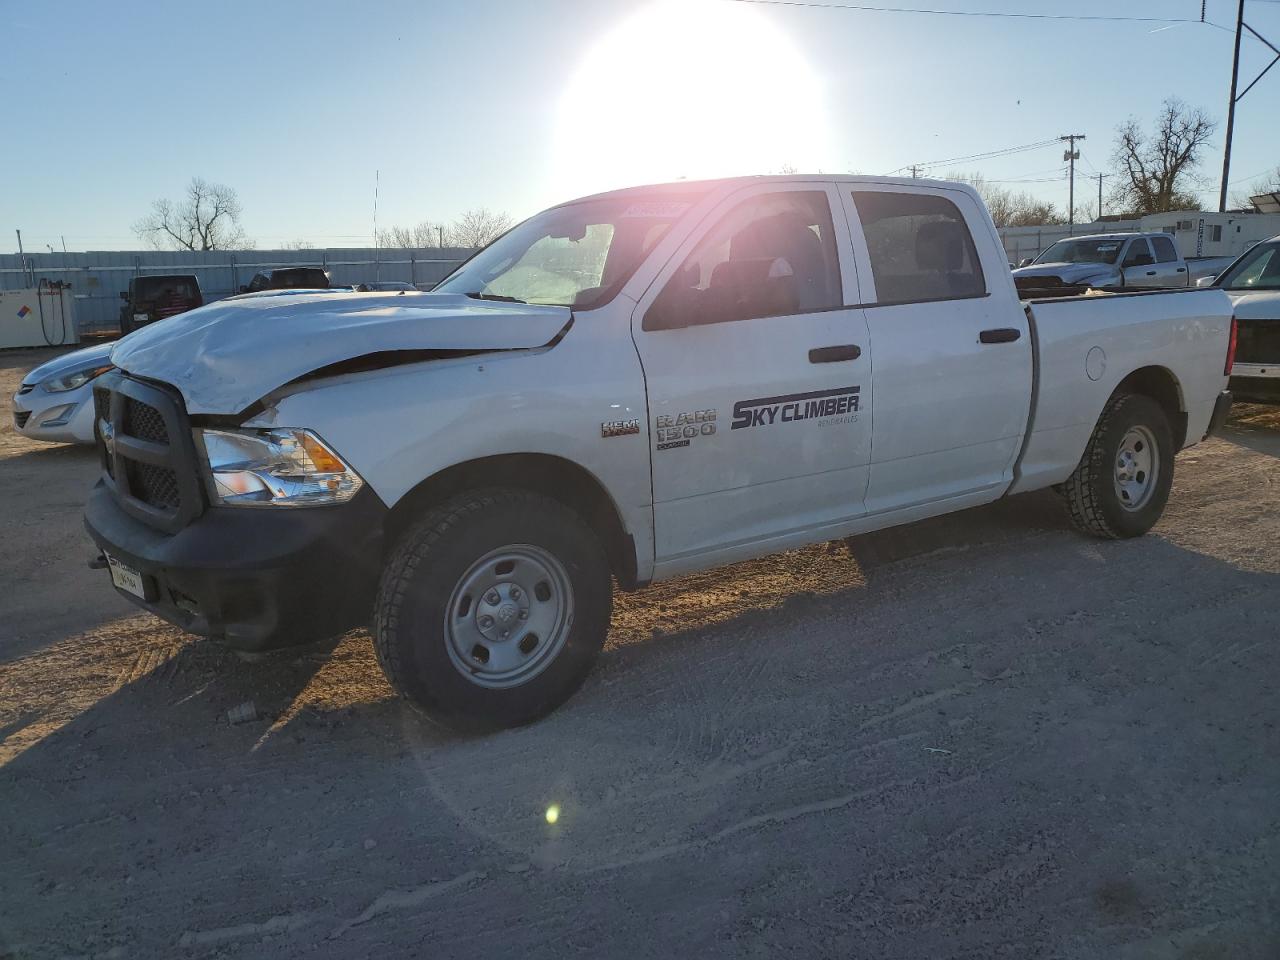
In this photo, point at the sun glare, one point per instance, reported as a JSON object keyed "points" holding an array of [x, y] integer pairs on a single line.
{"points": [[689, 89]]}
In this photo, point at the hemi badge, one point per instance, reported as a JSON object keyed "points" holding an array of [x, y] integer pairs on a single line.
{"points": [[619, 428]]}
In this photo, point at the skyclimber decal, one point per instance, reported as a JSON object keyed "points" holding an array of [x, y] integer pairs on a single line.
{"points": [[838, 405]]}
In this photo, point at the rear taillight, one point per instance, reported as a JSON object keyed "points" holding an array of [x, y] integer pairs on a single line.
{"points": [[1231, 349]]}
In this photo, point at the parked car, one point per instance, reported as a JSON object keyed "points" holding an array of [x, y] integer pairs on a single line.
{"points": [[1107, 260], [54, 402], [1253, 283], [153, 298], [288, 278], [385, 286], [629, 387]]}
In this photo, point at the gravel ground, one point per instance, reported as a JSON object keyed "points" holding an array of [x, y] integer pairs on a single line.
{"points": [[982, 736]]}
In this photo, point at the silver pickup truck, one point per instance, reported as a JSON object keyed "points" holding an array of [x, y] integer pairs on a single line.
{"points": [[1142, 260]]}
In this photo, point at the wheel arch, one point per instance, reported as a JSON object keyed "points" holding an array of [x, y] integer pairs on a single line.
{"points": [[551, 476], [1161, 385]]}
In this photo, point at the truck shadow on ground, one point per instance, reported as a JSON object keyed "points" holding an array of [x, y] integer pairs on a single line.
{"points": [[1255, 426], [146, 790]]}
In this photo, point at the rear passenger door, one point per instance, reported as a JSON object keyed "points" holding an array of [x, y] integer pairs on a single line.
{"points": [[1170, 271], [951, 378]]}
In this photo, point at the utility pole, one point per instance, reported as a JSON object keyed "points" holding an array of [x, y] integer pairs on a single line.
{"points": [[1231, 111], [915, 171], [1100, 176], [1071, 155], [1241, 26]]}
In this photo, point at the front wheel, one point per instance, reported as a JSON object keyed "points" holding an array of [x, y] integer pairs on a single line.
{"points": [[1122, 483], [492, 610]]}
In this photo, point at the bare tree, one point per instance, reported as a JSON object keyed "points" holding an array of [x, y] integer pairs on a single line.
{"points": [[1009, 209], [206, 218], [477, 228], [297, 245], [1158, 173], [422, 234], [1268, 183]]}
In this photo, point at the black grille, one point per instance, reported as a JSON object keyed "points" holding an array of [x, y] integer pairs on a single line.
{"points": [[148, 459], [20, 418], [1258, 341], [157, 486], [144, 421]]}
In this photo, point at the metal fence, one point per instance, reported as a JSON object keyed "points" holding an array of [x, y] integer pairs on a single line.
{"points": [[97, 278]]}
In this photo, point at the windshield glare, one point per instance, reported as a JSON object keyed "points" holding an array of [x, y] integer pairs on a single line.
{"points": [[1082, 251], [1259, 269], [578, 255]]}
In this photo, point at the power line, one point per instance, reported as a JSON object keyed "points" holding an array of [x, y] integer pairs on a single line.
{"points": [[989, 155], [868, 8]]}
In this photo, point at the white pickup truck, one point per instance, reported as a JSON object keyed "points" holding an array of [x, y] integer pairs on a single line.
{"points": [[624, 388]]}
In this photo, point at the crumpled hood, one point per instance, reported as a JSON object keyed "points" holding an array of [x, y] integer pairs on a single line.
{"points": [[1067, 272], [75, 360], [1263, 305], [226, 356]]}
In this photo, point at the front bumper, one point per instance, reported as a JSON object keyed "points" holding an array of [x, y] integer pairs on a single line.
{"points": [[254, 578], [55, 417]]}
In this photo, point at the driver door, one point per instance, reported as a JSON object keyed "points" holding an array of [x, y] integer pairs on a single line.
{"points": [[758, 377], [1138, 265]]}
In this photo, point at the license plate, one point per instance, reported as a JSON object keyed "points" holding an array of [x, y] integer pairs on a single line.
{"points": [[126, 578]]}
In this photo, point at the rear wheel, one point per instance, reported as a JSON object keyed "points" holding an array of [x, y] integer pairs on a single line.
{"points": [[492, 610], [1122, 483]]}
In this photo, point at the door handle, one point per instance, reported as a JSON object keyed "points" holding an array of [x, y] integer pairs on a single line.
{"points": [[846, 351], [1151, 273], [999, 335], [1181, 270]]}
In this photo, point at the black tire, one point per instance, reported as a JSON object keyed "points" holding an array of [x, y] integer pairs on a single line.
{"points": [[435, 555], [1090, 492]]}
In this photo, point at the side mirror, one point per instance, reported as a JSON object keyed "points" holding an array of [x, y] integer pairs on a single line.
{"points": [[124, 295], [1205, 281], [1025, 262]]}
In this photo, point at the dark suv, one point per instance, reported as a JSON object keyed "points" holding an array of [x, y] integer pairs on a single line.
{"points": [[288, 278], [153, 298]]}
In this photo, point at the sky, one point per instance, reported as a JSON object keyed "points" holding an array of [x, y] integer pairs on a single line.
{"points": [[514, 105]]}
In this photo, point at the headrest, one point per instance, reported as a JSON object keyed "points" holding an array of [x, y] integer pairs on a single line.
{"points": [[940, 246]]}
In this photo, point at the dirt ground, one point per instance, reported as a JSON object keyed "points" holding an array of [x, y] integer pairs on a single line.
{"points": [[983, 736]]}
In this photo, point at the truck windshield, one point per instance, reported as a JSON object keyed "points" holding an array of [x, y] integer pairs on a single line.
{"points": [[1096, 250], [1259, 269], [577, 255]]}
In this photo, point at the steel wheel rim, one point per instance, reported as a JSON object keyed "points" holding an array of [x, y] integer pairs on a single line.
{"points": [[508, 616], [1137, 468]]}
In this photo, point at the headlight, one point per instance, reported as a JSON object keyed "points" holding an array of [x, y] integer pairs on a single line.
{"points": [[69, 381], [290, 468]]}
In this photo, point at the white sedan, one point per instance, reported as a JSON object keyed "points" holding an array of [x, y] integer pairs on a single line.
{"points": [[55, 400]]}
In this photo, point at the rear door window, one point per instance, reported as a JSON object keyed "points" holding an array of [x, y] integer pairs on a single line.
{"points": [[1165, 251], [920, 247]]}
